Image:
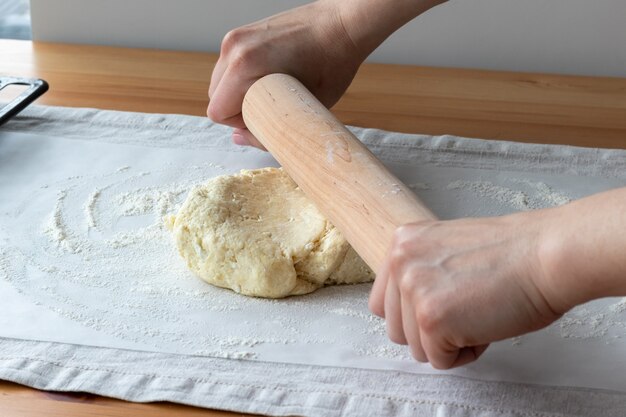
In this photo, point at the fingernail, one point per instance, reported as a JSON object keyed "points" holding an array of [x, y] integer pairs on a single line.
{"points": [[239, 139]]}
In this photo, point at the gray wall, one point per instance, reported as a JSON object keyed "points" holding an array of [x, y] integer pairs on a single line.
{"points": [[583, 37]]}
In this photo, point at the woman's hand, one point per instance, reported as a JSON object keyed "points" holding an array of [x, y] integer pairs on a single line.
{"points": [[309, 43], [449, 288], [322, 44]]}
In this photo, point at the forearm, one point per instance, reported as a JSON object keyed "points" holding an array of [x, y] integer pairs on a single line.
{"points": [[370, 22], [584, 249]]}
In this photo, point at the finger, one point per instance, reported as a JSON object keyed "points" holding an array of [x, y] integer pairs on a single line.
{"points": [[217, 74], [239, 138], [377, 296], [235, 121], [393, 313], [228, 96], [439, 357], [411, 329], [245, 138], [468, 355]]}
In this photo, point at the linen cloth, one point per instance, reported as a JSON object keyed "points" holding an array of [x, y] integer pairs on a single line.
{"points": [[289, 389]]}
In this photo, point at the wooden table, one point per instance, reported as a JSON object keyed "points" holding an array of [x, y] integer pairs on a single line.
{"points": [[540, 108], [583, 111]]}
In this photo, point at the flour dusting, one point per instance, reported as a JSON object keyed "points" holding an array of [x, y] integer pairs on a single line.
{"points": [[127, 279], [537, 194], [104, 259], [619, 307], [419, 186], [90, 206], [517, 199], [56, 229]]}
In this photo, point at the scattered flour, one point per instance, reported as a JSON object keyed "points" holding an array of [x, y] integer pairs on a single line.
{"points": [[129, 282], [619, 307], [550, 196], [150, 199], [517, 199], [134, 203], [4, 265], [393, 190], [123, 239], [388, 351], [546, 193], [582, 324], [56, 229], [376, 324], [240, 355], [90, 206], [419, 186], [539, 195]]}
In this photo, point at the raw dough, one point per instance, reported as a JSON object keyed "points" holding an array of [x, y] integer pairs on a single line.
{"points": [[259, 235]]}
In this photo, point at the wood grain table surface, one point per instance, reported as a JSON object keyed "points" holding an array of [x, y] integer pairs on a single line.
{"points": [[539, 108]]}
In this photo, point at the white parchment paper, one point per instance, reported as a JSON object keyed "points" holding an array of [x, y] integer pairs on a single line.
{"points": [[84, 259]]}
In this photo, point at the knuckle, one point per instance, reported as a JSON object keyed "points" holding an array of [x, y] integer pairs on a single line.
{"points": [[401, 234], [403, 241], [417, 279], [233, 38], [240, 51], [408, 281], [429, 314], [244, 57], [396, 264], [400, 251]]}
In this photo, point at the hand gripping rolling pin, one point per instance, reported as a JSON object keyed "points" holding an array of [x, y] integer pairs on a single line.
{"points": [[335, 170]]}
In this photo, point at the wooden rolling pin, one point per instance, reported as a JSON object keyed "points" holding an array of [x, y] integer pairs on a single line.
{"points": [[333, 168]]}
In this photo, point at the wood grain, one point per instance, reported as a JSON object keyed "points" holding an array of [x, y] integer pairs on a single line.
{"points": [[583, 111], [19, 401], [326, 159]]}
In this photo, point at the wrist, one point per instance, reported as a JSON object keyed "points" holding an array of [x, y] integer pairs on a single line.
{"points": [[369, 22], [551, 252], [572, 270]]}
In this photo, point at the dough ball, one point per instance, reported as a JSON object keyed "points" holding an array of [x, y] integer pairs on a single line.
{"points": [[258, 234]]}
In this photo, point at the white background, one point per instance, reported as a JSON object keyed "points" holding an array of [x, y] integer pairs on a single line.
{"points": [[557, 36]]}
